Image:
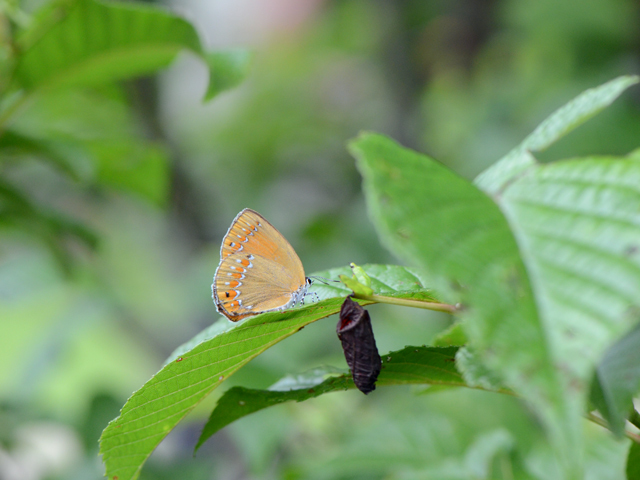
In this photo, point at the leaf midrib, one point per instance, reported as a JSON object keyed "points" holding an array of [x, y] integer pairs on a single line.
{"points": [[112, 55]]}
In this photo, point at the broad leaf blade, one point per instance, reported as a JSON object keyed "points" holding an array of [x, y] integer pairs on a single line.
{"points": [[438, 221], [556, 126], [89, 42], [412, 365], [94, 42], [154, 410], [578, 227], [200, 366]]}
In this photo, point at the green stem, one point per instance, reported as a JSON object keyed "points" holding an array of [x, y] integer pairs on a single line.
{"points": [[405, 302], [597, 420]]}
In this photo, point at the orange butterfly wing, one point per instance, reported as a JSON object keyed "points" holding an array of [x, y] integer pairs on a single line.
{"points": [[259, 270]]}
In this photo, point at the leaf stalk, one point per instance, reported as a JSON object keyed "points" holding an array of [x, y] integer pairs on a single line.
{"points": [[600, 421], [406, 302]]}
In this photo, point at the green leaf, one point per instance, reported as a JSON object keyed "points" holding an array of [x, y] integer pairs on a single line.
{"points": [[227, 70], [88, 42], [412, 365], [92, 136], [481, 455], [556, 126], [388, 280], [154, 410], [215, 329], [578, 227], [617, 381], [17, 211], [135, 166], [633, 462], [16, 144], [453, 336], [197, 369], [443, 224], [475, 373], [93, 42]]}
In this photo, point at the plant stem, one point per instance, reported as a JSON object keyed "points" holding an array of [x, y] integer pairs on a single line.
{"points": [[405, 302], [596, 419]]}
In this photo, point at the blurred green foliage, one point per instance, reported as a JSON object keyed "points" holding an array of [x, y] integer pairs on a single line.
{"points": [[114, 197]]}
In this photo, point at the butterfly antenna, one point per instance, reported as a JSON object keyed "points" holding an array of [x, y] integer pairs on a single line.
{"points": [[321, 280], [324, 280]]}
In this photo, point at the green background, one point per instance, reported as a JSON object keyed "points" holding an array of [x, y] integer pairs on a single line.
{"points": [[463, 81]]}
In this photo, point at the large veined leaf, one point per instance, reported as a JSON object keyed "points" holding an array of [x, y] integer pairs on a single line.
{"points": [[88, 42], [198, 367], [573, 265], [92, 42], [578, 227], [444, 224], [412, 365]]}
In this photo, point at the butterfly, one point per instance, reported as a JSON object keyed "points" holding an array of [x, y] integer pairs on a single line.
{"points": [[259, 270]]}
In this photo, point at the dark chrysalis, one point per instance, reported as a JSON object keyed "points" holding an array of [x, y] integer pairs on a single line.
{"points": [[359, 345]]}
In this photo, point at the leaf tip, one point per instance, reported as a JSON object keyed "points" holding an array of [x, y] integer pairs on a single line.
{"points": [[227, 70]]}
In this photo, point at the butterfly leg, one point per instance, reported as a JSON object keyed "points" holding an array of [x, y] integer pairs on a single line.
{"points": [[315, 295]]}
